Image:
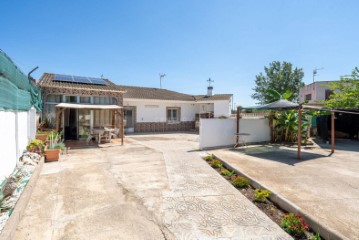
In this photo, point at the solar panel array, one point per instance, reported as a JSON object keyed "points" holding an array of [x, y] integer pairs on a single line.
{"points": [[78, 79]]}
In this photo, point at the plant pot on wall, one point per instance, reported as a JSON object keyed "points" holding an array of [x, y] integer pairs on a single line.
{"points": [[52, 155], [42, 137]]}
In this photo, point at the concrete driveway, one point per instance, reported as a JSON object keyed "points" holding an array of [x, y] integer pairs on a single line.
{"points": [[325, 187], [155, 187]]}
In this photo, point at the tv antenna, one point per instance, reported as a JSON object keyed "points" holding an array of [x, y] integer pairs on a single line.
{"points": [[315, 71], [210, 81], [162, 75]]}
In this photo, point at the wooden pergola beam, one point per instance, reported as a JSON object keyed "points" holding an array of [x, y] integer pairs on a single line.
{"points": [[299, 132], [333, 132]]}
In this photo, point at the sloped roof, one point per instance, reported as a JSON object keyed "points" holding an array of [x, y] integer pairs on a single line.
{"points": [[164, 94], [46, 81], [213, 97], [154, 93]]}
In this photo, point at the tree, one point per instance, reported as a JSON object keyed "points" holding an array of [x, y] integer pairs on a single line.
{"points": [[279, 77], [345, 93]]}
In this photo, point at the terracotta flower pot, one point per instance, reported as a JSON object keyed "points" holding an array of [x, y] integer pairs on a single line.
{"points": [[52, 155], [42, 137]]}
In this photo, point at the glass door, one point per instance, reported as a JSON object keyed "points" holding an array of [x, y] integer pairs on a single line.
{"points": [[84, 123], [129, 118]]}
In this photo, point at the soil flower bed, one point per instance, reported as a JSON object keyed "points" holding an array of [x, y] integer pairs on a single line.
{"points": [[12, 188], [291, 223]]}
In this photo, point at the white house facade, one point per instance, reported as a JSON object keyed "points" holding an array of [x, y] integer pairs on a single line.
{"points": [[161, 110]]}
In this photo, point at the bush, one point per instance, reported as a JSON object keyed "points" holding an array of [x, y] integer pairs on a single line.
{"points": [[209, 158], [294, 224], [227, 173], [216, 163], [240, 182], [36, 146], [261, 195]]}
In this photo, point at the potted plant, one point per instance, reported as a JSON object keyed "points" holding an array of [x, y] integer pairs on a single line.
{"points": [[52, 152], [36, 146], [41, 136]]}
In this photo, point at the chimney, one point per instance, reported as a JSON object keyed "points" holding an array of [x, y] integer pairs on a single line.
{"points": [[209, 91]]}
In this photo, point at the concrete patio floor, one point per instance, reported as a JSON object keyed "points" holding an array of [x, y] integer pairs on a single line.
{"points": [[156, 187], [327, 188]]}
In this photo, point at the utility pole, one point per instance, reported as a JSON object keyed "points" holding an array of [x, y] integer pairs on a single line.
{"points": [[162, 75]]}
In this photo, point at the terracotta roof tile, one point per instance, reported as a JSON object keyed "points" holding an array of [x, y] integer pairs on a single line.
{"points": [[164, 94]]}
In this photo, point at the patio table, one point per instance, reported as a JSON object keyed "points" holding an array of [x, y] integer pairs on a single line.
{"points": [[242, 137]]}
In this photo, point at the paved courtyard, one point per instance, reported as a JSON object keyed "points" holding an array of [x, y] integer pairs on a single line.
{"points": [[155, 187], [327, 188]]}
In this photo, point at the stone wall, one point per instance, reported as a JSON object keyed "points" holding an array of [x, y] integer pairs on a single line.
{"points": [[164, 126]]}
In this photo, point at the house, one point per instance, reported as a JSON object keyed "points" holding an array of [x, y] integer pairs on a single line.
{"points": [[19, 100], [314, 92], [162, 110], [77, 105], [346, 124]]}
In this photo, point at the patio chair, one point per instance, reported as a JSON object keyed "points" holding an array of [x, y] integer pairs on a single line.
{"points": [[114, 133], [106, 135], [91, 136]]}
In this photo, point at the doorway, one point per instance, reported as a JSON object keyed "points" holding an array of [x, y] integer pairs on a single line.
{"points": [[129, 113], [70, 122]]}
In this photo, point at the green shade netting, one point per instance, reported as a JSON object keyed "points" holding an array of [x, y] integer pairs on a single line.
{"points": [[17, 93]]}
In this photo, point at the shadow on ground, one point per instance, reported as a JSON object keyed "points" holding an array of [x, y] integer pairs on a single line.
{"points": [[340, 144], [277, 153]]}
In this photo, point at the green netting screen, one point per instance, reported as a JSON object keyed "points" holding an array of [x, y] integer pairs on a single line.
{"points": [[17, 92]]}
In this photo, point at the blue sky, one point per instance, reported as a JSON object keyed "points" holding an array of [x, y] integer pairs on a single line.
{"points": [[131, 42]]}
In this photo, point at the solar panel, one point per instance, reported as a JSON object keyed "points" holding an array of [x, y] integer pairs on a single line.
{"points": [[63, 78], [78, 79], [97, 81]]}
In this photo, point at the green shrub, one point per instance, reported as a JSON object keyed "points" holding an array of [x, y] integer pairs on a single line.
{"points": [[261, 195], [60, 145], [36, 145], [227, 173], [208, 158], [216, 163], [294, 224], [316, 236], [240, 182]]}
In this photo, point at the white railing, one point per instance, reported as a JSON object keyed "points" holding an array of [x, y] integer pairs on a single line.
{"points": [[252, 115]]}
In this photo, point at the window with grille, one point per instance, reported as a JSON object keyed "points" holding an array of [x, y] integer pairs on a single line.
{"points": [[173, 115]]}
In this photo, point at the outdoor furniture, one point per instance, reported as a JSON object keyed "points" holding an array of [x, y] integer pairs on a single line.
{"points": [[102, 134], [114, 133], [242, 138], [108, 132]]}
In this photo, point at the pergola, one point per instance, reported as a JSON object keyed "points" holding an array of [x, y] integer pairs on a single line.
{"points": [[283, 105], [116, 110]]}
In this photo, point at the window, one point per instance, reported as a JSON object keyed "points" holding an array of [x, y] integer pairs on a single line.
{"points": [[328, 92], [102, 100], [53, 98], [85, 99], [173, 114], [70, 99], [308, 97], [102, 118]]}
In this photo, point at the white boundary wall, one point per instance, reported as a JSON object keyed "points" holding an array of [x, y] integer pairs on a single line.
{"points": [[17, 129], [217, 132]]}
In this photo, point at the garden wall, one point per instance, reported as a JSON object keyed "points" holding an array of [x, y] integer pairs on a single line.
{"points": [[17, 128], [217, 132]]}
